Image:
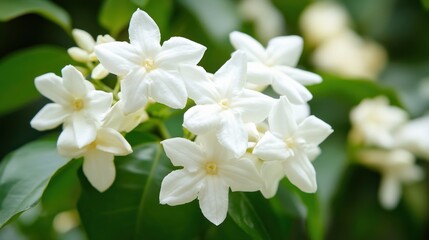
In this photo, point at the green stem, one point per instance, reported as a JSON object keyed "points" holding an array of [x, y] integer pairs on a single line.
{"points": [[165, 134]]}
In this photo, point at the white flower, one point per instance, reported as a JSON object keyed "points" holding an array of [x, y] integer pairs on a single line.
{"points": [[209, 171], [149, 69], [374, 122], [76, 104], [275, 65], [98, 165], [223, 105], [117, 120], [85, 51], [396, 167], [414, 136], [293, 144]]}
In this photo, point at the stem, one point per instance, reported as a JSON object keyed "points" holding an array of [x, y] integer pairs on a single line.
{"points": [[165, 134]]}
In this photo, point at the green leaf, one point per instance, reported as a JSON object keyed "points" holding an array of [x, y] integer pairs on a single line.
{"points": [[116, 14], [426, 4], [10, 9], [244, 215], [219, 17], [130, 208], [24, 175], [19, 69]]}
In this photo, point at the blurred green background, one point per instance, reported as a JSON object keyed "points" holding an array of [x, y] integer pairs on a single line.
{"points": [[34, 37]]}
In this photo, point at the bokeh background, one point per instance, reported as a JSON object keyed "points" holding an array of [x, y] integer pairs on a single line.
{"points": [[362, 48]]}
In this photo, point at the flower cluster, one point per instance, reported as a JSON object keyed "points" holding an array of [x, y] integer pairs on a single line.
{"points": [[387, 140], [245, 140]]}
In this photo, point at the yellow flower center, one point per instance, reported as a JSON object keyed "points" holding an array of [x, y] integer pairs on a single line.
{"points": [[149, 64], [78, 104], [211, 168], [224, 103], [290, 142]]}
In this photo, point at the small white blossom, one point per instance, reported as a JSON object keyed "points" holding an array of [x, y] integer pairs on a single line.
{"points": [[275, 65], [223, 105], [414, 136], [374, 122], [98, 165], [294, 145], [396, 167], [76, 104], [117, 120], [149, 70], [209, 171]]}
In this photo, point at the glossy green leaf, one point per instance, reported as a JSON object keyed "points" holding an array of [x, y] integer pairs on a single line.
{"points": [[115, 15], [10, 9], [244, 215], [19, 69], [24, 175], [218, 18], [130, 208]]}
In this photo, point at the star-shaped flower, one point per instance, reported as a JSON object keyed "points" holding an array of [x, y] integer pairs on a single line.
{"points": [[292, 144], [209, 171], [223, 105], [275, 65], [76, 104], [149, 69]]}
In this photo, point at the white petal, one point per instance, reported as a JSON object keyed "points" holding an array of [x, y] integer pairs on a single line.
{"points": [[51, 86], [240, 175], [118, 57], [231, 77], [83, 39], [49, 117], [213, 199], [282, 118], [135, 91], [313, 130], [200, 119], [198, 84], [272, 148], [85, 130], [183, 152], [74, 81], [78, 54], [212, 148], [253, 106], [232, 133], [272, 172], [99, 169], [99, 72], [99, 103], [259, 73], [111, 141], [67, 143], [301, 76], [301, 173], [390, 192], [284, 50], [253, 49], [180, 187], [144, 33], [178, 50], [296, 93], [167, 88]]}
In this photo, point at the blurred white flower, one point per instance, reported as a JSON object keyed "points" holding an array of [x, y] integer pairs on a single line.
{"points": [[396, 167], [275, 65], [374, 122], [76, 104], [85, 51], [293, 144], [350, 56], [222, 104], [322, 21], [414, 136], [267, 19], [98, 165], [209, 171], [149, 69]]}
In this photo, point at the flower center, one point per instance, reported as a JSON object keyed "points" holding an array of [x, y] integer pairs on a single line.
{"points": [[290, 142], [78, 104], [149, 64], [211, 168], [224, 103]]}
